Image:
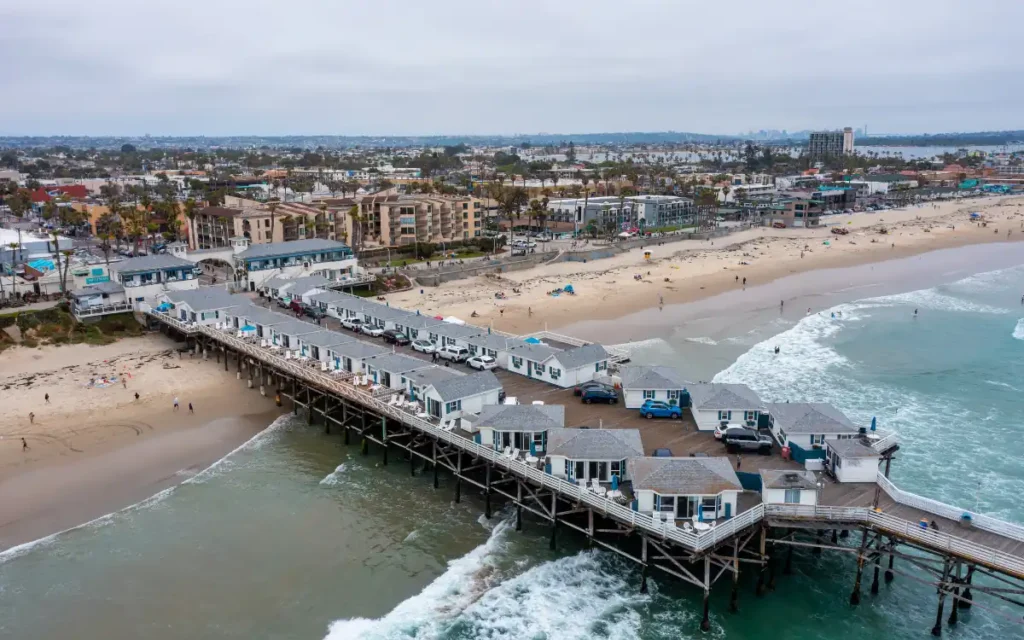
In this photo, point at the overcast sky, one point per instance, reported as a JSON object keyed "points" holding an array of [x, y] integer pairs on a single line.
{"points": [[374, 67]]}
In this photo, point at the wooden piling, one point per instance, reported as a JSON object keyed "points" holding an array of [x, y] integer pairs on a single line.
{"points": [[855, 594], [889, 575], [643, 564], [967, 599], [954, 609], [487, 492], [705, 622], [937, 628]]}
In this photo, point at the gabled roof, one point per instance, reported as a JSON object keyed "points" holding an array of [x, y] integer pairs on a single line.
{"points": [[207, 298], [98, 289], [357, 349], [303, 284], [788, 479], [851, 448], [494, 341], [466, 386], [151, 263], [717, 396], [595, 444], [295, 328], [324, 338], [809, 417], [455, 331], [522, 417], [652, 378], [418, 321], [261, 315], [396, 363], [280, 249], [683, 476], [331, 297], [535, 352], [384, 312], [580, 356], [431, 375]]}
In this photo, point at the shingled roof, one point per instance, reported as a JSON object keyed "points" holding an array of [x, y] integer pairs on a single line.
{"points": [[595, 444], [522, 417], [684, 476]]}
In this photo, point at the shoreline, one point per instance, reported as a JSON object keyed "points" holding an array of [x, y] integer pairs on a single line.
{"points": [[691, 270], [88, 459]]}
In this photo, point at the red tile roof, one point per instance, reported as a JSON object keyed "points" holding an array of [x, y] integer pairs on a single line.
{"points": [[45, 194]]}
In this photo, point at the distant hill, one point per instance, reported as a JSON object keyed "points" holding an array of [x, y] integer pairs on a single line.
{"points": [[944, 139]]}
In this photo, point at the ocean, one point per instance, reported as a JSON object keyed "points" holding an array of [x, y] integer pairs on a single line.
{"points": [[295, 535]]}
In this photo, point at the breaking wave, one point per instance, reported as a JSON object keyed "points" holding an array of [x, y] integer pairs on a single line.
{"points": [[1018, 331]]}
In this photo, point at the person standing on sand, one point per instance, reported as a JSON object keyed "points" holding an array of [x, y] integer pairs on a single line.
{"points": [[47, 397], [190, 409], [124, 382], [175, 403], [136, 396], [31, 418], [24, 445]]}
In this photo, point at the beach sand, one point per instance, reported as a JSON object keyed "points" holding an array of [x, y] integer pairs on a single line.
{"points": [[93, 450], [689, 270]]}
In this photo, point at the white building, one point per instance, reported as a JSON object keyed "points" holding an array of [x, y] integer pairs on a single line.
{"points": [[391, 369], [643, 383], [851, 460], [146, 277], [331, 259], [205, 306], [808, 425], [561, 368], [713, 404], [280, 287], [451, 398], [700, 489], [100, 299], [783, 486], [349, 356], [316, 345], [286, 334], [517, 426], [495, 345], [584, 454]]}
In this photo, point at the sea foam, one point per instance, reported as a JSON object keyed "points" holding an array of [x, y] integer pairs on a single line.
{"points": [[1018, 331]]}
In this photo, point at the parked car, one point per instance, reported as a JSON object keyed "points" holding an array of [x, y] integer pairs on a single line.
{"points": [[283, 302], [657, 409], [662, 453], [423, 346], [313, 312], [295, 306], [391, 336], [742, 439], [453, 353], [352, 323], [606, 394], [482, 363], [371, 330], [593, 384], [721, 428]]}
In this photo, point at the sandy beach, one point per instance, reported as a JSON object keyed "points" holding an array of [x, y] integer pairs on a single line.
{"points": [[689, 270], [93, 448]]}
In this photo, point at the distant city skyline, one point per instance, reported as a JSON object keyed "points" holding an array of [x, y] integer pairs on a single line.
{"points": [[399, 68]]}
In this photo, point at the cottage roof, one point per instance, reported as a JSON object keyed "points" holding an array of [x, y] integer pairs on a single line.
{"points": [[653, 378], [535, 352], [334, 297], [414, 321], [280, 249], [295, 328], [357, 349], [151, 263], [595, 444], [396, 363], [494, 341], [809, 417], [684, 476], [384, 312], [788, 479], [325, 338], [851, 448], [580, 356], [522, 417], [432, 374], [466, 386], [207, 298], [299, 286], [274, 283], [455, 331], [260, 315], [716, 396], [98, 289]]}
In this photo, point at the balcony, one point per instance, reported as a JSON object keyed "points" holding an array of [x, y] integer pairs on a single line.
{"points": [[95, 311]]}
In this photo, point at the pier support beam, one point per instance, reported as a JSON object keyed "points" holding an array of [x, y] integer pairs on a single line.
{"points": [[487, 492], [385, 463], [436, 483], [759, 590], [458, 490], [788, 568], [705, 621], [643, 565], [878, 565], [967, 600], [954, 609], [888, 572], [519, 506], [734, 606], [855, 594], [309, 406], [937, 628]]}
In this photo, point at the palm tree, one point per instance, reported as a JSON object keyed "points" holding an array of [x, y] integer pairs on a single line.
{"points": [[272, 207], [14, 246], [190, 213], [357, 226]]}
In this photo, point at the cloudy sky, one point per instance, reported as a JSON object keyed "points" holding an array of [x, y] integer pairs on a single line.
{"points": [[403, 67]]}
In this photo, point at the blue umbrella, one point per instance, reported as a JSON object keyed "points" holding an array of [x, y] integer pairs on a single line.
{"points": [[248, 327], [873, 423]]}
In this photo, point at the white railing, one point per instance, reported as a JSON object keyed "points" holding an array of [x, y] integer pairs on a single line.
{"points": [[908, 530], [187, 328], [978, 521], [887, 442], [100, 310]]}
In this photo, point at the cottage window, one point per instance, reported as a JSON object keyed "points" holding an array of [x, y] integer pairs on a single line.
{"points": [[648, 394], [749, 416], [568, 469], [725, 415], [792, 496], [668, 503], [710, 504], [538, 438], [616, 468], [555, 373], [517, 363], [673, 394], [817, 439], [539, 368], [453, 406], [580, 470]]}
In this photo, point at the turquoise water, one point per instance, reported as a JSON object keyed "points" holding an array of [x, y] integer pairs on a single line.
{"points": [[298, 536]]}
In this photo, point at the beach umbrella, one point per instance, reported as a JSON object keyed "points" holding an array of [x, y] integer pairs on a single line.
{"points": [[247, 328], [873, 423], [532, 340]]}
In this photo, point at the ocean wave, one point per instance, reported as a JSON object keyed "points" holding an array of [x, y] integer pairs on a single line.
{"points": [[334, 478], [989, 280], [269, 435], [1018, 331], [933, 299], [702, 340], [651, 343], [996, 383]]}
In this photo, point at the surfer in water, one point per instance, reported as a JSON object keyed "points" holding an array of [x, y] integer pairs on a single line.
{"points": [[776, 349]]}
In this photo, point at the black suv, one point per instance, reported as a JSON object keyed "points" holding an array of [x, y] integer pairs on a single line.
{"points": [[741, 439], [313, 312], [391, 336]]}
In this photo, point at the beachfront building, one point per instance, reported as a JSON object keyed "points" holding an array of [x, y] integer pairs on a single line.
{"points": [[451, 334], [420, 379], [349, 356], [286, 334], [280, 287], [100, 299], [698, 489], [643, 383], [383, 316], [452, 398], [587, 454], [316, 345], [805, 426], [561, 368], [785, 486], [146, 277], [495, 345], [718, 404], [414, 324], [851, 460], [201, 306], [797, 213], [648, 211], [393, 220], [518, 426], [261, 320], [391, 369], [333, 260], [340, 305]]}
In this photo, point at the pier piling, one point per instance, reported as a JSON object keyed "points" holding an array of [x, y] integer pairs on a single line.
{"points": [[788, 568], [937, 628], [759, 590], [734, 597], [458, 490], [888, 572], [855, 594], [967, 599], [487, 492], [705, 622], [954, 609], [554, 532]]}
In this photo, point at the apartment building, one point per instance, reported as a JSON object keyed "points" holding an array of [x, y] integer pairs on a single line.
{"points": [[830, 143], [393, 220], [214, 227], [633, 211]]}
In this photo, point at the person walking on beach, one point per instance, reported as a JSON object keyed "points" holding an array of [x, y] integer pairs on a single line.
{"points": [[47, 396], [136, 396], [124, 382], [175, 403], [31, 418], [190, 409], [24, 445]]}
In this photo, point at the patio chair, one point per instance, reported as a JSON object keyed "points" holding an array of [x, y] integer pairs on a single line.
{"points": [[394, 400], [687, 527], [323, 366], [287, 355], [515, 454], [423, 415], [507, 452]]}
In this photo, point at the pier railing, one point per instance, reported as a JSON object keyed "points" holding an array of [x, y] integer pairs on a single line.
{"points": [[887, 442], [977, 520], [908, 530]]}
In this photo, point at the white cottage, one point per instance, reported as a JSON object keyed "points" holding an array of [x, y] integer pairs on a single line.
{"points": [[495, 345], [785, 486], [415, 326], [643, 383], [260, 318], [391, 369], [713, 404], [585, 454], [286, 334], [469, 394], [349, 356], [317, 345], [203, 306], [805, 426], [561, 368], [701, 489], [146, 277], [851, 460], [449, 333], [519, 426], [419, 380]]}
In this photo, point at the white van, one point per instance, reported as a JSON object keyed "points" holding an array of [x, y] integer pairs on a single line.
{"points": [[453, 353]]}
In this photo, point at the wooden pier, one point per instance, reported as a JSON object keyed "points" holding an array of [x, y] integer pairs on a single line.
{"points": [[886, 522]]}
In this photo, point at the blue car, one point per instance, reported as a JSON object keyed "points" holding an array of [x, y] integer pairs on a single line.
{"points": [[596, 394], [656, 409]]}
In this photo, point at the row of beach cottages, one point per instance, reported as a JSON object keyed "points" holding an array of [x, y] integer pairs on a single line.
{"points": [[816, 432], [284, 288], [560, 367]]}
